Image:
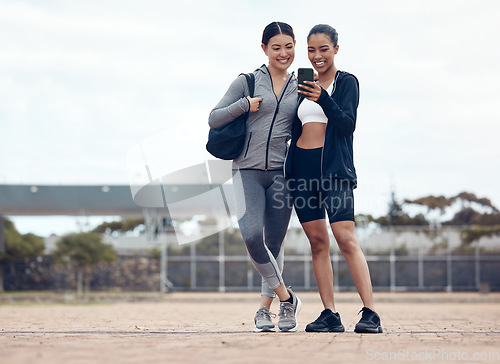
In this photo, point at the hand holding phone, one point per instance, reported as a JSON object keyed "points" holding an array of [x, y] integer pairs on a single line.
{"points": [[309, 90], [306, 74]]}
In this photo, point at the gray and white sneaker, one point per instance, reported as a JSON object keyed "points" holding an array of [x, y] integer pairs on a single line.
{"points": [[263, 320], [289, 312]]}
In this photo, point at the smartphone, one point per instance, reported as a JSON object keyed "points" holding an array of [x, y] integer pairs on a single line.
{"points": [[306, 74]]}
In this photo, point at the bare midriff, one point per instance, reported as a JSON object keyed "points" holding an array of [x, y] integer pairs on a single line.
{"points": [[313, 135]]}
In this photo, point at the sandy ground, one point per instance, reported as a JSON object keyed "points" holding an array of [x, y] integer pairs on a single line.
{"points": [[217, 328]]}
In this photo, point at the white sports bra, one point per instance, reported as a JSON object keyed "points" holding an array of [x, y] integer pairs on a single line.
{"points": [[310, 112]]}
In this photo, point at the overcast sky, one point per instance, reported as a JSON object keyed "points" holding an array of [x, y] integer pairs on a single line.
{"points": [[84, 82]]}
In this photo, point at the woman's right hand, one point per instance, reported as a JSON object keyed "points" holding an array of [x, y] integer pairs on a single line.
{"points": [[254, 103]]}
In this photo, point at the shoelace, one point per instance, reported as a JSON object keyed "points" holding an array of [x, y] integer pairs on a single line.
{"points": [[286, 308], [365, 310], [265, 314], [367, 315]]}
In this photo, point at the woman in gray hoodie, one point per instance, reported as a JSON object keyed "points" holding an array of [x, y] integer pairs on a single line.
{"points": [[262, 202]]}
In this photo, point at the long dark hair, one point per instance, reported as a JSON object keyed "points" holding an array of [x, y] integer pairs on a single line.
{"points": [[276, 28]]}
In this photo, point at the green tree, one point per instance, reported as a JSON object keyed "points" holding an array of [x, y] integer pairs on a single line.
{"points": [[83, 251], [396, 216], [18, 246], [479, 224], [470, 197], [466, 215], [123, 225], [131, 223], [432, 202], [477, 232]]}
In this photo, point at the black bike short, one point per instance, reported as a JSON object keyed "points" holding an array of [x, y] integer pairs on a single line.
{"points": [[312, 195]]}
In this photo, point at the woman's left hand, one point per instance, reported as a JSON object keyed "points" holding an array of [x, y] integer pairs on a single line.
{"points": [[311, 92]]}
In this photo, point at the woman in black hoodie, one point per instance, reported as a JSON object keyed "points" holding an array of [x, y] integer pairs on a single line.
{"points": [[321, 176]]}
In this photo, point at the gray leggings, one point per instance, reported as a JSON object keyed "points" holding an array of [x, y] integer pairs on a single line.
{"points": [[263, 207]]}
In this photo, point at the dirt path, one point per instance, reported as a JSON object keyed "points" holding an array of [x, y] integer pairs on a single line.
{"points": [[217, 327]]}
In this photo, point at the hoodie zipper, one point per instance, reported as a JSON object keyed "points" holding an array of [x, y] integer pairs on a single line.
{"points": [[248, 145], [275, 113]]}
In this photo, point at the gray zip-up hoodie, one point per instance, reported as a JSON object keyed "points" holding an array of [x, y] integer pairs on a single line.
{"points": [[269, 129]]}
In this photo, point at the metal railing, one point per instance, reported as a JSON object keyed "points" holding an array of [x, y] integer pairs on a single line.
{"points": [[415, 270]]}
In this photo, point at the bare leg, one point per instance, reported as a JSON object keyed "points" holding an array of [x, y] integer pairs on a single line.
{"points": [[282, 292], [266, 301], [349, 246], [317, 233]]}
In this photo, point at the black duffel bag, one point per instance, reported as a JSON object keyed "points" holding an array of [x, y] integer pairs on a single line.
{"points": [[227, 142]]}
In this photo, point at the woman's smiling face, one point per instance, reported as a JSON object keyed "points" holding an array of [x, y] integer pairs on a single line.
{"points": [[280, 50], [321, 51]]}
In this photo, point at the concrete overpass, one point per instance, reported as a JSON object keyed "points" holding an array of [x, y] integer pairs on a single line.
{"points": [[154, 201], [102, 200], [198, 189]]}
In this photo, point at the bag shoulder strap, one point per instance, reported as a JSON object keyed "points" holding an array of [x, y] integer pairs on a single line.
{"points": [[250, 82]]}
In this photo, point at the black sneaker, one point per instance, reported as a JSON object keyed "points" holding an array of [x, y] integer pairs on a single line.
{"points": [[326, 322], [369, 323]]}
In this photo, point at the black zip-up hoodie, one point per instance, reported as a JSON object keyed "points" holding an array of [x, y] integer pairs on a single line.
{"points": [[340, 108]]}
